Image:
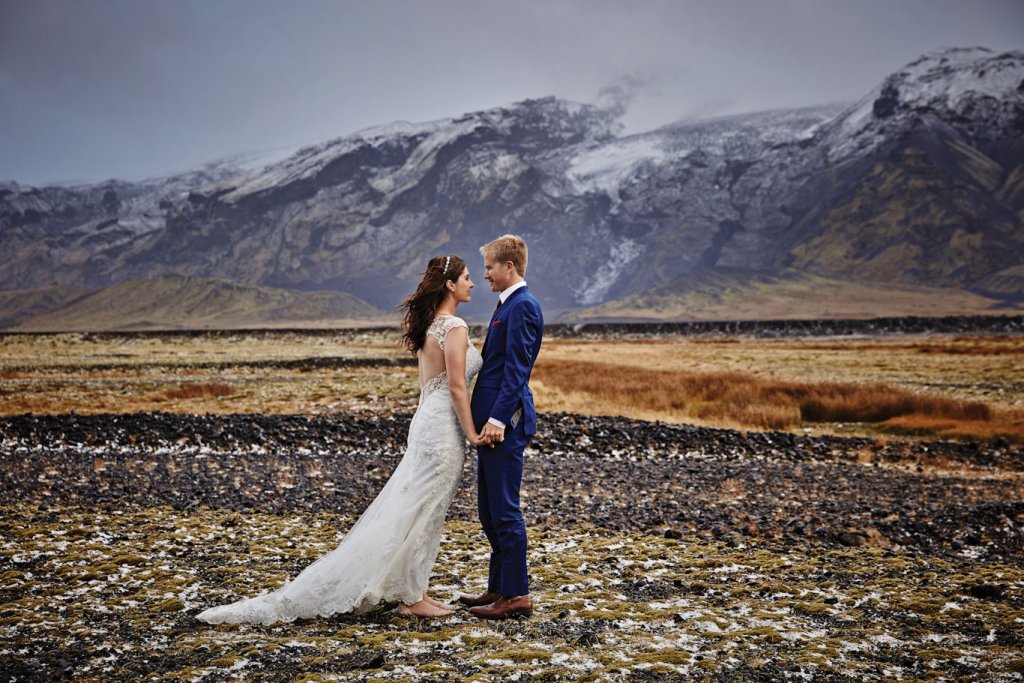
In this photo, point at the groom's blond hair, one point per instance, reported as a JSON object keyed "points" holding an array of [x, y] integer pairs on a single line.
{"points": [[507, 248]]}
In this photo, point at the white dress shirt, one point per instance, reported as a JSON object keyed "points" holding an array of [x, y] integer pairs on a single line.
{"points": [[507, 292]]}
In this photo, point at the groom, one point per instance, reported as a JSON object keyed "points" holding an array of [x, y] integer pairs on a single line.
{"points": [[503, 413]]}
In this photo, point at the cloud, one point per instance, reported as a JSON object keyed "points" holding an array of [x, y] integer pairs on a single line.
{"points": [[129, 88], [618, 96]]}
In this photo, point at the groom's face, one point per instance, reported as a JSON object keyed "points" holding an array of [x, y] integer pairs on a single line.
{"points": [[498, 274]]}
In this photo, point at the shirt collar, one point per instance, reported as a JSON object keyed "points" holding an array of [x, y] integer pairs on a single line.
{"points": [[506, 293]]}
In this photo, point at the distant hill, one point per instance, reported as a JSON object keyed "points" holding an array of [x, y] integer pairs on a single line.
{"points": [[917, 189], [181, 303], [20, 304], [723, 294]]}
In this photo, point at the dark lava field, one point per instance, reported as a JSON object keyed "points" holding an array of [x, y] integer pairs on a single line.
{"points": [[658, 553], [948, 498]]}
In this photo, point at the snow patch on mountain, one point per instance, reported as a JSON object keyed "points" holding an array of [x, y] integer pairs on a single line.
{"points": [[378, 135], [423, 157], [608, 167], [950, 76], [498, 166], [594, 289], [305, 163]]}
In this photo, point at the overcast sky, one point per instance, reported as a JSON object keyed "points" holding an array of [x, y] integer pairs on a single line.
{"points": [[95, 89]]}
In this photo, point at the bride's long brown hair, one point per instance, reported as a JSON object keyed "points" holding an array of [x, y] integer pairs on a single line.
{"points": [[420, 307]]}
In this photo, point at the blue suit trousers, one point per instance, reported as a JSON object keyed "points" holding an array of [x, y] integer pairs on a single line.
{"points": [[499, 474]]}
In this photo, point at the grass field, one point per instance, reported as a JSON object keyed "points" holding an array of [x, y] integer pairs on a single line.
{"points": [[927, 385], [935, 385]]}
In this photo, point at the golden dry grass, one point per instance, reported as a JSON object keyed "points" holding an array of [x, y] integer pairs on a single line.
{"points": [[91, 374], [971, 386], [749, 401], [961, 346], [1007, 424], [201, 390], [994, 378]]}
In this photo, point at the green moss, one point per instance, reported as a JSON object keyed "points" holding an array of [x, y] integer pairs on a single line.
{"points": [[924, 605], [225, 662], [488, 641], [523, 655], [812, 608], [601, 614], [665, 657], [170, 605], [763, 633], [447, 634]]}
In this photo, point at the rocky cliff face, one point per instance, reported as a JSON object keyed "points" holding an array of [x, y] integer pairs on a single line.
{"points": [[920, 182]]}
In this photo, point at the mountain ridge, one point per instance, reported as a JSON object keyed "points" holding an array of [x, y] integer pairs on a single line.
{"points": [[920, 183]]}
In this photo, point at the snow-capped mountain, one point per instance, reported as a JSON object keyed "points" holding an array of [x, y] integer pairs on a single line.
{"points": [[921, 182], [972, 90]]}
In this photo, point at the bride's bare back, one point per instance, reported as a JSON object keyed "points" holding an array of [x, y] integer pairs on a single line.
{"points": [[444, 350], [431, 360]]}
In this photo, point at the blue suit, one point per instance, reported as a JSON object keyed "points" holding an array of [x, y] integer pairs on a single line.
{"points": [[502, 392]]}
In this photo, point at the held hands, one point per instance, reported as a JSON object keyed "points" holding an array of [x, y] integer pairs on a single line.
{"points": [[490, 434]]}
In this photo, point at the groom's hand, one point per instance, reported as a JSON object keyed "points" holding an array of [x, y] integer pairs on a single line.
{"points": [[492, 433]]}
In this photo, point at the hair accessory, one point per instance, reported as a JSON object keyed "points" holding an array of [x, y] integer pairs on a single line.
{"points": [[447, 260]]}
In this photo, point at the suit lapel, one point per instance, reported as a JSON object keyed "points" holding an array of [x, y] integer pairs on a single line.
{"points": [[497, 312], [513, 295], [487, 335]]}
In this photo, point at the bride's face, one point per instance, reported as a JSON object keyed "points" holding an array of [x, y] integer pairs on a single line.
{"points": [[462, 287]]}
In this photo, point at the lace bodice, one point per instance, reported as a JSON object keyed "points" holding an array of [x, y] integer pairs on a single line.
{"points": [[439, 330]]}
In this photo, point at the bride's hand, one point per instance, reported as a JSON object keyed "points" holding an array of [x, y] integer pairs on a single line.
{"points": [[477, 440]]}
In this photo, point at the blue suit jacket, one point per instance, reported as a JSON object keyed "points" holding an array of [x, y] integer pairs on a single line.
{"points": [[510, 349]]}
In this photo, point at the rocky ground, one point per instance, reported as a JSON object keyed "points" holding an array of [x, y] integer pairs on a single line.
{"points": [[820, 327], [659, 551], [583, 471]]}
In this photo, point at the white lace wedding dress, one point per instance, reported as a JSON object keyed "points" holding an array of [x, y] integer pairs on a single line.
{"points": [[390, 551]]}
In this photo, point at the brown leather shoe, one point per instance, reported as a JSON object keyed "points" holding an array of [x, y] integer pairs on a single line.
{"points": [[505, 608], [485, 599]]}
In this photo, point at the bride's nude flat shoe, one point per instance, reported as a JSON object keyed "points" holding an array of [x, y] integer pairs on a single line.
{"points": [[439, 604], [404, 610]]}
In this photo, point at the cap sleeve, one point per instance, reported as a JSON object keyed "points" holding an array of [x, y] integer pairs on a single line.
{"points": [[440, 328]]}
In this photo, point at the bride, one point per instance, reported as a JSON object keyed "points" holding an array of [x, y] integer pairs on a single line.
{"points": [[389, 552]]}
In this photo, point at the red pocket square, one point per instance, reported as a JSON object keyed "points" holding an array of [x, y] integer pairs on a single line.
{"points": [[495, 323]]}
